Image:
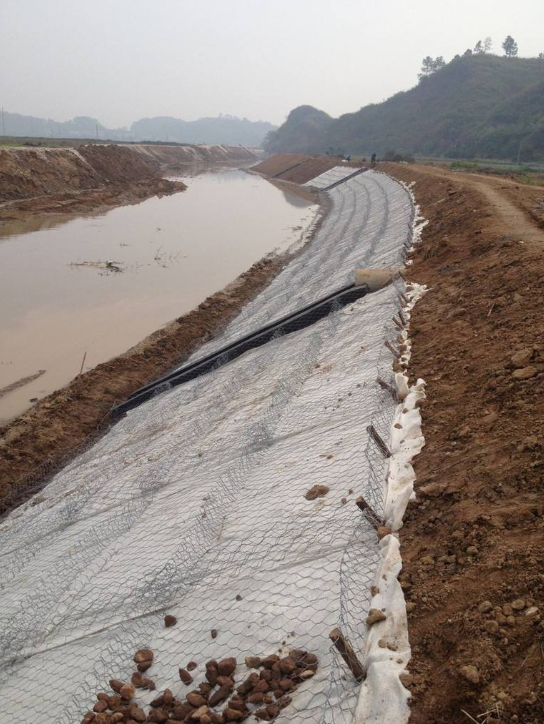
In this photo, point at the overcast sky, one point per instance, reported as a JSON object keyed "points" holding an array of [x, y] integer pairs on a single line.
{"points": [[120, 60]]}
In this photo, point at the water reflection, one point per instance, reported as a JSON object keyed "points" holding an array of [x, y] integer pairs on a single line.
{"points": [[60, 297]]}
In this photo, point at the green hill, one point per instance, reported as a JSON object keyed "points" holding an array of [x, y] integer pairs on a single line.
{"points": [[301, 132], [479, 105]]}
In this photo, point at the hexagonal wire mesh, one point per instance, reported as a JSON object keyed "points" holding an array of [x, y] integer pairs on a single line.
{"points": [[194, 504]]}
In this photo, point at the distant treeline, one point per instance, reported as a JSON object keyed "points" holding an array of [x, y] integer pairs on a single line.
{"points": [[228, 130], [477, 105]]}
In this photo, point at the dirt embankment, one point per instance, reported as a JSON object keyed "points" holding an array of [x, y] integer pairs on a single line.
{"points": [[296, 168], [472, 542], [97, 176], [178, 157], [38, 442], [70, 180]]}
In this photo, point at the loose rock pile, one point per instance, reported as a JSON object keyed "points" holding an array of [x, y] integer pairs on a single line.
{"points": [[266, 690]]}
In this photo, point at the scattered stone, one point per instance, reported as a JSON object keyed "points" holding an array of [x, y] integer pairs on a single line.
{"points": [[287, 665], [253, 662], [233, 714], [518, 604], [472, 551], [521, 358], [525, 373], [141, 682], [492, 627], [375, 615], [127, 691], [185, 676], [200, 712], [144, 665], [143, 655], [226, 667], [170, 621], [238, 597], [383, 530], [470, 673], [269, 661], [406, 679], [485, 607], [374, 590], [195, 699], [219, 696], [191, 665], [116, 685], [316, 491], [213, 633]]}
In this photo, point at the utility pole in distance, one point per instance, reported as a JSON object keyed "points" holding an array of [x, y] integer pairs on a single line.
{"points": [[3, 123]]}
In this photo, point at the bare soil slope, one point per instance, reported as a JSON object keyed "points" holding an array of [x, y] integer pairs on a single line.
{"points": [[295, 168], [472, 543], [97, 176]]}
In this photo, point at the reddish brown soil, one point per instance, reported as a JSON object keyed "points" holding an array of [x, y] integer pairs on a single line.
{"points": [[472, 542], [97, 176], [39, 441], [295, 168]]}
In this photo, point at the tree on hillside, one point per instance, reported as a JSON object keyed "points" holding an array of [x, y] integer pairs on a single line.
{"points": [[541, 56], [430, 65], [479, 47], [510, 47], [488, 44]]}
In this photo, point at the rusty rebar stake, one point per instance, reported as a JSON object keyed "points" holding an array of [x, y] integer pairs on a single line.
{"points": [[365, 508], [386, 386], [393, 351], [348, 654], [378, 440]]}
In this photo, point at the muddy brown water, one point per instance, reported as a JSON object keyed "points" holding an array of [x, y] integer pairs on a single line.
{"points": [[173, 252]]}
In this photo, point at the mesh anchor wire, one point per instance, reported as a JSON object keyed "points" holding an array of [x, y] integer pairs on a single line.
{"points": [[379, 441], [346, 651]]}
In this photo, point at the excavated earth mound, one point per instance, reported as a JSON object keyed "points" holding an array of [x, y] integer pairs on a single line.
{"points": [[473, 540], [95, 177]]}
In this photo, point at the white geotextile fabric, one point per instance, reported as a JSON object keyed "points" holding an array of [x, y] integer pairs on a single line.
{"points": [[332, 176], [198, 496]]}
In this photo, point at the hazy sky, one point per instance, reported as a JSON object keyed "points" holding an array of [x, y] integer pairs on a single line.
{"points": [[119, 60]]}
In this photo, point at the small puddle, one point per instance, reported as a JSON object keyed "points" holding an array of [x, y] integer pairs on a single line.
{"points": [[61, 300]]}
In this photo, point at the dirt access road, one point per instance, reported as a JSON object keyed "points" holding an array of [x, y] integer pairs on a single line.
{"points": [[472, 543]]}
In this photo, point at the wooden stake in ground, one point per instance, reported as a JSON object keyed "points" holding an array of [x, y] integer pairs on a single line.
{"points": [[83, 362], [348, 654]]}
